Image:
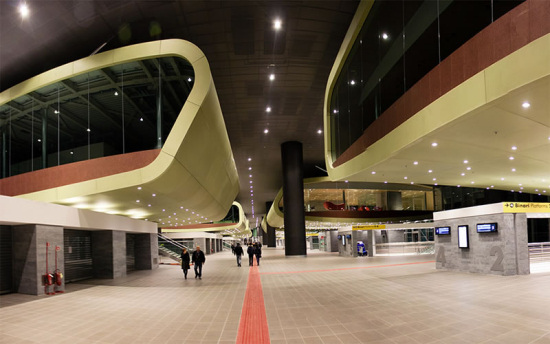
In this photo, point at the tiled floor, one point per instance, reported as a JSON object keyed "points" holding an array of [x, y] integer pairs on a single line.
{"points": [[319, 299]]}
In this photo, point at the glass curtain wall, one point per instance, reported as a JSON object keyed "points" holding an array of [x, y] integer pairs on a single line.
{"points": [[399, 43], [366, 200], [115, 110]]}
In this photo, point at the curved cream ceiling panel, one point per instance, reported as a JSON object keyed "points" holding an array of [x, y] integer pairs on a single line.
{"points": [[477, 121], [195, 168], [239, 229]]}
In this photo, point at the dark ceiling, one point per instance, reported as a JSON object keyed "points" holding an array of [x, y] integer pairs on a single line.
{"points": [[242, 47]]}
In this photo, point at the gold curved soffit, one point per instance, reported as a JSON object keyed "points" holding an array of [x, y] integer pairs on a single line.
{"points": [[195, 168]]}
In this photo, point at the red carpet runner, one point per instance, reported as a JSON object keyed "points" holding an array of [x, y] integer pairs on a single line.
{"points": [[253, 326]]}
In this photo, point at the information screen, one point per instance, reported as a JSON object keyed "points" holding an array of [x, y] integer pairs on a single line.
{"points": [[486, 227], [442, 230], [463, 237]]}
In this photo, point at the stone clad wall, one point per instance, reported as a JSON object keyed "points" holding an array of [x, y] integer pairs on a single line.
{"points": [[502, 253]]}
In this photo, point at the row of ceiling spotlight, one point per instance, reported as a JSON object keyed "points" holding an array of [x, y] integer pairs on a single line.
{"points": [[196, 214]]}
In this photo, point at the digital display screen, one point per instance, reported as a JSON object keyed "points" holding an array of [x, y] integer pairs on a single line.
{"points": [[442, 230], [486, 227], [463, 236]]}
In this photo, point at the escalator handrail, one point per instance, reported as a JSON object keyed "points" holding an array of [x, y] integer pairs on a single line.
{"points": [[173, 242]]}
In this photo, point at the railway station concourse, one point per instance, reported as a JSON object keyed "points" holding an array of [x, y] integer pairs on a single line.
{"points": [[390, 160]]}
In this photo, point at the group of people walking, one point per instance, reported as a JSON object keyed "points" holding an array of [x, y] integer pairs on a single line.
{"points": [[198, 258], [252, 250]]}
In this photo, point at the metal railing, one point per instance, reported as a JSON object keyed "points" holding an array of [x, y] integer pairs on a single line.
{"points": [[170, 248], [405, 248], [539, 256], [539, 251]]}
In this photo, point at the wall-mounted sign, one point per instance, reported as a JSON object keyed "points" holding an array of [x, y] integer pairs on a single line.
{"points": [[486, 227], [442, 230], [525, 207], [368, 227], [463, 237]]}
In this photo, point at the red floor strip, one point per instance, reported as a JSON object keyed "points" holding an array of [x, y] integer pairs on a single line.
{"points": [[253, 326], [354, 268]]}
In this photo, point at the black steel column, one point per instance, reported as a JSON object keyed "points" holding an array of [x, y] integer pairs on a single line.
{"points": [[293, 198]]}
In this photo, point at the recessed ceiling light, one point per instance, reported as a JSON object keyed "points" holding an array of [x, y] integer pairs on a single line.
{"points": [[463, 174], [250, 175], [266, 131], [189, 79], [435, 184], [154, 195], [277, 24], [250, 168], [526, 105], [139, 188], [250, 182], [434, 179], [271, 77], [373, 172], [468, 168], [511, 158], [430, 171], [352, 82], [148, 205], [514, 147], [268, 109], [319, 131], [501, 178], [336, 111], [405, 177], [39, 140], [412, 182], [513, 170], [385, 35], [415, 163], [385, 182], [345, 181], [472, 182], [137, 200], [116, 93], [24, 10], [434, 144], [249, 159], [88, 130]]}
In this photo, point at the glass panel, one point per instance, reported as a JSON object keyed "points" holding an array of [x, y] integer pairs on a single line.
{"points": [[399, 43], [119, 109]]}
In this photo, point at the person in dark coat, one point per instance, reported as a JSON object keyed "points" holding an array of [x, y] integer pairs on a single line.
{"points": [[198, 259], [239, 252], [185, 259], [250, 251], [258, 253]]}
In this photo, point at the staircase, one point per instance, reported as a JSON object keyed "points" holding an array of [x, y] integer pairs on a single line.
{"points": [[170, 248]]}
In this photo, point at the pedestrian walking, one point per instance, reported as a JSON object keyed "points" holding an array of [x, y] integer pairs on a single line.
{"points": [[250, 251], [258, 253], [198, 259], [185, 259], [239, 252]]}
